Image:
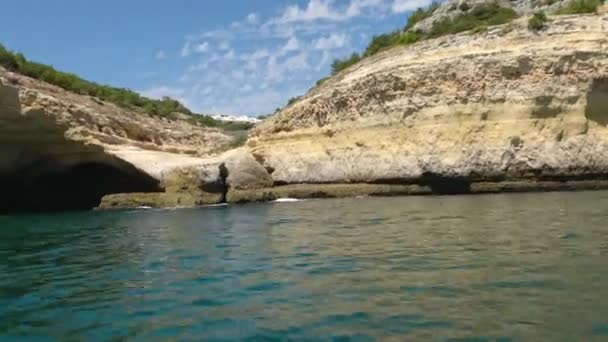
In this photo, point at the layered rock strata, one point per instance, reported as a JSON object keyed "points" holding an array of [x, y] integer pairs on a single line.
{"points": [[505, 110], [60, 150], [506, 105]]}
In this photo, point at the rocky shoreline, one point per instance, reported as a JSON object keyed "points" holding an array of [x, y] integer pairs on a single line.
{"points": [[506, 110], [320, 191], [509, 110], [64, 151]]}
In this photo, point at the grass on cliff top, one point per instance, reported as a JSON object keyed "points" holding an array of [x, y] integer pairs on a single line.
{"points": [[121, 97], [538, 21], [483, 15], [581, 7], [475, 19]]}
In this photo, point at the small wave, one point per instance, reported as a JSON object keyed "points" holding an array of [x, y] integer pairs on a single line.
{"points": [[287, 200], [216, 205], [143, 207]]}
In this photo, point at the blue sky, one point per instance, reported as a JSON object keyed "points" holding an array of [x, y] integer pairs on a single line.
{"points": [[217, 56]]}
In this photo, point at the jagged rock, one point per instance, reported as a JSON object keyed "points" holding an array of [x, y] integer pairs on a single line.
{"points": [[452, 8], [154, 200], [244, 171], [508, 110], [60, 150], [509, 104], [207, 183]]}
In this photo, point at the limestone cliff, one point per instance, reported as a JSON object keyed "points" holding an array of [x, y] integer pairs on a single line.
{"points": [[60, 150], [506, 110], [505, 105]]}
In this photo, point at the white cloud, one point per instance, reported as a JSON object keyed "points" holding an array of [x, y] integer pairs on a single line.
{"points": [[230, 55], [225, 45], [292, 44], [252, 19], [325, 59], [238, 75], [297, 62], [186, 50], [160, 54], [324, 9], [255, 64], [400, 6], [356, 7], [199, 66], [333, 41], [315, 9], [257, 54], [202, 47], [159, 92]]}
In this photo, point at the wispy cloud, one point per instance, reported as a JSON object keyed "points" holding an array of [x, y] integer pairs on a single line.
{"points": [[162, 91], [333, 41], [254, 64], [160, 54], [202, 47], [400, 6]]}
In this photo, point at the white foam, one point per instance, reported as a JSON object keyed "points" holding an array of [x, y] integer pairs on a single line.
{"points": [[287, 200]]}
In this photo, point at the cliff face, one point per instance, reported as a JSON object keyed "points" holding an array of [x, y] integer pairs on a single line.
{"points": [[505, 110], [59, 150], [451, 8], [505, 105]]}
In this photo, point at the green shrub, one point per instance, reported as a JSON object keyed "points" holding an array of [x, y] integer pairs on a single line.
{"points": [[580, 7], [125, 98], [486, 14], [406, 38], [341, 64], [207, 120], [420, 14], [293, 100], [476, 19], [381, 42], [465, 7], [538, 21], [480, 29], [388, 40], [70, 82], [7, 59], [321, 81], [239, 139]]}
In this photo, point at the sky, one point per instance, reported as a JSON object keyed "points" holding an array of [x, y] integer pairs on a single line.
{"points": [[216, 56]]}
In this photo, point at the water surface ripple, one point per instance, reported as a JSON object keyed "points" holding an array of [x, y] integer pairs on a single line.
{"points": [[464, 268]]}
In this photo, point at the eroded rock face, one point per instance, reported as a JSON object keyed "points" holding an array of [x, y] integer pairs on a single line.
{"points": [[508, 104], [452, 8], [213, 181], [63, 151], [509, 110]]}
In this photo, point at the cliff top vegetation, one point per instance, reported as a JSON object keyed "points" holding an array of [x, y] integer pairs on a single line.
{"points": [[474, 18], [122, 97]]}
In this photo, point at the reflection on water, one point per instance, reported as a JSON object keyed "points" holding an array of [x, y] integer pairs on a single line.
{"points": [[496, 267]]}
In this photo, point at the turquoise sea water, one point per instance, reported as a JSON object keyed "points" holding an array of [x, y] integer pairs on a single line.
{"points": [[519, 267]]}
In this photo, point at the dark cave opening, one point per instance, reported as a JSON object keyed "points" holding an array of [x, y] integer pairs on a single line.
{"points": [[48, 186], [444, 185], [597, 102]]}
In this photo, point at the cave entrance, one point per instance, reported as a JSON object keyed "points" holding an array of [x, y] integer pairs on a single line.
{"points": [[50, 186], [597, 102], [444, 185]]}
